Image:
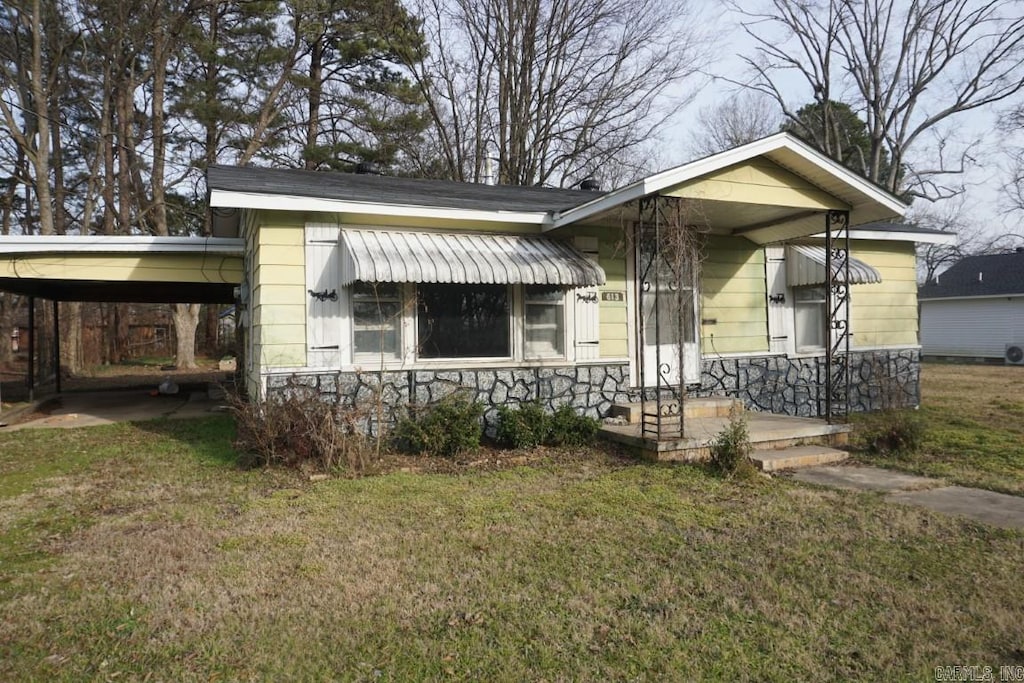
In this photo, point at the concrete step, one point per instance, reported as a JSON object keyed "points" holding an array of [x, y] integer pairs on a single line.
{"points": [[796, 457], [716, 406]]}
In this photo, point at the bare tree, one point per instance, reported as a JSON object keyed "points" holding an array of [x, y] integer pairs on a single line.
{"points": [[552, 90], [972, 238], [908, 69], [741, 118]]}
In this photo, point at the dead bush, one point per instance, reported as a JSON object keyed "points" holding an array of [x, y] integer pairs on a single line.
{"points": [[299, 429]]}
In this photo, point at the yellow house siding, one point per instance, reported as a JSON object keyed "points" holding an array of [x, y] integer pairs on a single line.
{"points": [[278, 289], [733, 295], [758, 181], [885, 314]]}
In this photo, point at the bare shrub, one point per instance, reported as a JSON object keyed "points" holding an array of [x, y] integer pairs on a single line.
{"points": [[299, 429]]}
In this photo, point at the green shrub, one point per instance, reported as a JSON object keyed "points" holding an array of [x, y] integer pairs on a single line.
{"points": [[529, 426], [446, 428], [731, 448], [569, 428], [526, 427], [891, 432]]}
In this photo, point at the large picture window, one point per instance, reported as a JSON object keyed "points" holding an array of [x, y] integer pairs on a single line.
{"points": [[376, 319], [544, 324], [463, 321]]}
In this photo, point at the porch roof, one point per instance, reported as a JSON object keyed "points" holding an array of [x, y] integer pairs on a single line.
{"points": [[402, 256]]}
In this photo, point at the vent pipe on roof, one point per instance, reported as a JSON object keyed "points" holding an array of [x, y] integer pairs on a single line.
{"points": [[367, 168], [980, 274]]}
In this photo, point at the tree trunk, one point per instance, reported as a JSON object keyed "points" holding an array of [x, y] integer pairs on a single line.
{"points": [[186, 320]]}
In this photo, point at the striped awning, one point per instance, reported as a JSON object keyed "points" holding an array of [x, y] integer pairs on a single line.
{"points": [[400, 256], [805, 265]]}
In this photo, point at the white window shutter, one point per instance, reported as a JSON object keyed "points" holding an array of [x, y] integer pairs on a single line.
{"points": [[780, 311], [324, 297], [587, 308]]}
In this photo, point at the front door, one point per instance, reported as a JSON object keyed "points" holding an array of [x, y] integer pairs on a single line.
{"points": [[668, 317]]}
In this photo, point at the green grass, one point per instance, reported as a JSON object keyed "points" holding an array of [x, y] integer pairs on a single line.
{"points": [[139, 552], [974, 427]]}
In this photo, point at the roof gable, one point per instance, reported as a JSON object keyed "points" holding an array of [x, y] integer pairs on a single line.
{"points": [[987, 275]]}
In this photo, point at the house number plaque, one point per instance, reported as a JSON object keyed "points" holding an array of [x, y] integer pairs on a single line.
{"points": [[613, 296]]}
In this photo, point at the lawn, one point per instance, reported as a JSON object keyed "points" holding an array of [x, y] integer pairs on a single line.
{"points": [[974, 426], [140, 552]]}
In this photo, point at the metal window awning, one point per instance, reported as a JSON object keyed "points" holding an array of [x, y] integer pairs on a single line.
{"points": [[805, 265], [400, 256]]}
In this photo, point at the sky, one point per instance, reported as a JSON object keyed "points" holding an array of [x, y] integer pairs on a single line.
{"points": [[982, 204]]}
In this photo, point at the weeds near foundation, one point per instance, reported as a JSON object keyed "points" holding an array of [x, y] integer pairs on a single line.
{"points": [[731, 449], [298, 429], [896, 429]]}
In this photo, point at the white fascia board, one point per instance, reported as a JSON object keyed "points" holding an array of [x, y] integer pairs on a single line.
{"points": [[695, 169], [898, 236], [970, 298], [251, 200], [114, 244]]}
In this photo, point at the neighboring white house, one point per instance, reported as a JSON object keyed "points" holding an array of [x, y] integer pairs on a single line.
{"points": [[976, 309]]}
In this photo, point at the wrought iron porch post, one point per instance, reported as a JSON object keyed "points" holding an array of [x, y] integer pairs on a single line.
{"points": [[837, 306], [666, 420]]}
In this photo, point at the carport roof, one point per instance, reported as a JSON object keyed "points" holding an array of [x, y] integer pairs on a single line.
{"points": [[138, 269]]}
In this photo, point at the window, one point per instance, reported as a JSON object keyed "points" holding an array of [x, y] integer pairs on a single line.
{"points": [[544, 324], [463, 321], [810, 318], [376, 319]]}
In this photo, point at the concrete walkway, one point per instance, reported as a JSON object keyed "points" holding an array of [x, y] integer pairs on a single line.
{"points": [[980, 505], [92, 408]]}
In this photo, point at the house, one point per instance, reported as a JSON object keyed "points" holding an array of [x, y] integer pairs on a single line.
{"points": [[762, 272], [975, 309]]}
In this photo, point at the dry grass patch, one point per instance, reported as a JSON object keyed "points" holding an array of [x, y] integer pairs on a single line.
{"points": [[974, 426], [161, 560]]}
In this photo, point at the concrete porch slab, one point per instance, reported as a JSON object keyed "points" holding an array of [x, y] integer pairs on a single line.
{"points": [[765, 430]]}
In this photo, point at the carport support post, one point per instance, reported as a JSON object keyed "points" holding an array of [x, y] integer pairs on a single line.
{"points": [[56, 344], [31, 380]]}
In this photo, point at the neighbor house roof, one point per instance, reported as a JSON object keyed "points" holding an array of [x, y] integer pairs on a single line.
{"points": [[990, 275]]}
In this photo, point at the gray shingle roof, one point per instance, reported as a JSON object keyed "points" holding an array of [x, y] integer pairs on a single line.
{"points": [[1000, 274], [393, 190]]}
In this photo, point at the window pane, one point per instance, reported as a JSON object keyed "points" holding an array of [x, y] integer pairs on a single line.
{"points": [[375, 327], [545, 293], [809, 317], [463, 321], [544, 330], [371, 290]]}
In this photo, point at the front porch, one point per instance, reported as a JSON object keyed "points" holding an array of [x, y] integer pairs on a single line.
{"points": [[780, 441]]}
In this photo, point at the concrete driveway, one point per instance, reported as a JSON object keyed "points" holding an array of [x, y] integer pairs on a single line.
{"points": [[91, 408]]}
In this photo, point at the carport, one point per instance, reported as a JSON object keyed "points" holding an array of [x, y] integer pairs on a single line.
{"points": [[116, 269]]}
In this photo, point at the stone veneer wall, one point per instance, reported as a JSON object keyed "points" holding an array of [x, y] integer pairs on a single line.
{"points": [[777, 384], [796, 386], [591, 389]]}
